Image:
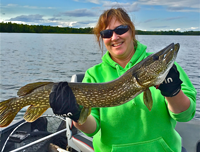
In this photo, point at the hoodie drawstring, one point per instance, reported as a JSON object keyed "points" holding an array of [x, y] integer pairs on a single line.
{"points": [[129, 65], [118, 68]]}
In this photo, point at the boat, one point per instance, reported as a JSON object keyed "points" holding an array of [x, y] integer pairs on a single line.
{"points": [[51, 133]]}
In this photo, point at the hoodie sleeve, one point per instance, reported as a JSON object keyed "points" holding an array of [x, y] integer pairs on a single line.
{"points": [[191, 93], [95, 111]]}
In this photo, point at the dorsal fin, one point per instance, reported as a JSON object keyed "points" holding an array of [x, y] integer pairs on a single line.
{"points": [[30, 87]]}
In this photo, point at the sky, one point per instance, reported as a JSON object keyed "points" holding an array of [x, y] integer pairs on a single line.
{"points": [[147, 15]]}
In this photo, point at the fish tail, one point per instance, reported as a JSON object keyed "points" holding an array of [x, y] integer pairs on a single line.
{"points": [[7, 113]]}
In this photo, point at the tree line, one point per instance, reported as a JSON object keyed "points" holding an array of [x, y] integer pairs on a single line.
{"points": [[24, 28]]}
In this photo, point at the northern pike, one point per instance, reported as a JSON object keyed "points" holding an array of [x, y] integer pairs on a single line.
{"points": [[149, 72]]}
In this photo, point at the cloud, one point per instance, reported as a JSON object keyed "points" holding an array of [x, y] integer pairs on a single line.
{"points": [[160, 27], [194, 28], [164, 19], [88, 23], [182, 9], [90, 1], [38, 19], [58, 23], [80, 13], [178, 29], [41, 21], [28, 18], [175, 5], [188, 29], [127, 6], [150, 20], [54, 19], [11, 5], [25, 6], [174, 18], [36, 7], [94, 1]]}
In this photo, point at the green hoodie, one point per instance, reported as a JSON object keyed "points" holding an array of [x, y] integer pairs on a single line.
{"points": [[131, 127]]}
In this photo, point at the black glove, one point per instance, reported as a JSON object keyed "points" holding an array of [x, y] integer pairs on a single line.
{"points": [[171, 86], [63, 101]]}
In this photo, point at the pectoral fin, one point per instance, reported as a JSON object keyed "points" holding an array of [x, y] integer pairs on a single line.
{"points": [[85, 112], [148, 101]]}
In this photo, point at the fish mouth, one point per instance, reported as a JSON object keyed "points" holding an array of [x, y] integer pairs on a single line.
{"points": [[168, 54], [165, 56], [153, 69], [172, 54]]}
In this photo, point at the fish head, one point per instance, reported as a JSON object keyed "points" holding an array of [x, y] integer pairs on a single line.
{"points": [[153, 69]]}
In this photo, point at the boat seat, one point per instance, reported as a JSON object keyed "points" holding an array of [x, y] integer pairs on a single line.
{"points": [[77, 78], [76, 139], [190, 134]]}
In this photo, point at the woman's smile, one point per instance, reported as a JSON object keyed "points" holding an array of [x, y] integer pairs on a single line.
{"points": [[119, 44]]}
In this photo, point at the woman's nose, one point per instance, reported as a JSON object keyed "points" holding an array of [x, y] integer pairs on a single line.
{"points": [[114, 36]]}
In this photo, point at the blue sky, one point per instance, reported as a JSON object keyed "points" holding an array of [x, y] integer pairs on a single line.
{"points": [[150, 15]]}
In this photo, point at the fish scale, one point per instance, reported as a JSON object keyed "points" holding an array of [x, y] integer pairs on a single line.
{"points": [[149, 72]]}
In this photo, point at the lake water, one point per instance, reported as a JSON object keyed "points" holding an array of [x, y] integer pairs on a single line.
{"points": [[27, 58]]}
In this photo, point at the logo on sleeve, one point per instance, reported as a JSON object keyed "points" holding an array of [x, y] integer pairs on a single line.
{"points": [[168, 80]]}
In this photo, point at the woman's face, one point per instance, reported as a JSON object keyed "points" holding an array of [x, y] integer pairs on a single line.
{"points": [[120, 47]]}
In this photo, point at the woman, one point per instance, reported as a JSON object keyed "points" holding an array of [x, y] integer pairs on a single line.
{"points": [[129, 127]]}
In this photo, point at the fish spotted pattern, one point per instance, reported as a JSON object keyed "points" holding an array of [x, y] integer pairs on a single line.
{"points": [[149, 72]]}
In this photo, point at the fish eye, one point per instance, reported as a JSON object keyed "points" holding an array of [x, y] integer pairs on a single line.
{"points": [[155, 57]]}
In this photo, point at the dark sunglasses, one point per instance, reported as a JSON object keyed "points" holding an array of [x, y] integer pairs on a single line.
{"points": [[118, 30]]}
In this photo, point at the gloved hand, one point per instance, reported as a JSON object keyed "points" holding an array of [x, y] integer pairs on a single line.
{"points": [[171, 86], [63, 101]]}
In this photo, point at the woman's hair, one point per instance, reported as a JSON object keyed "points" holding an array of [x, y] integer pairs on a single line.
{"points": [[105, 19]]}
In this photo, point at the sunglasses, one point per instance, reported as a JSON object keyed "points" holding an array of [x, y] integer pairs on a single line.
{"points": [[118, 30]]}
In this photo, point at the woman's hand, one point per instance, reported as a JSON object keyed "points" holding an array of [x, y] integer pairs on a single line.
{"points": [[171, 89], [171, 86], [63, 101]]}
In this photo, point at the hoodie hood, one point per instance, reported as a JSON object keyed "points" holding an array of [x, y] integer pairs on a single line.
{"points": [[139, 55]]}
